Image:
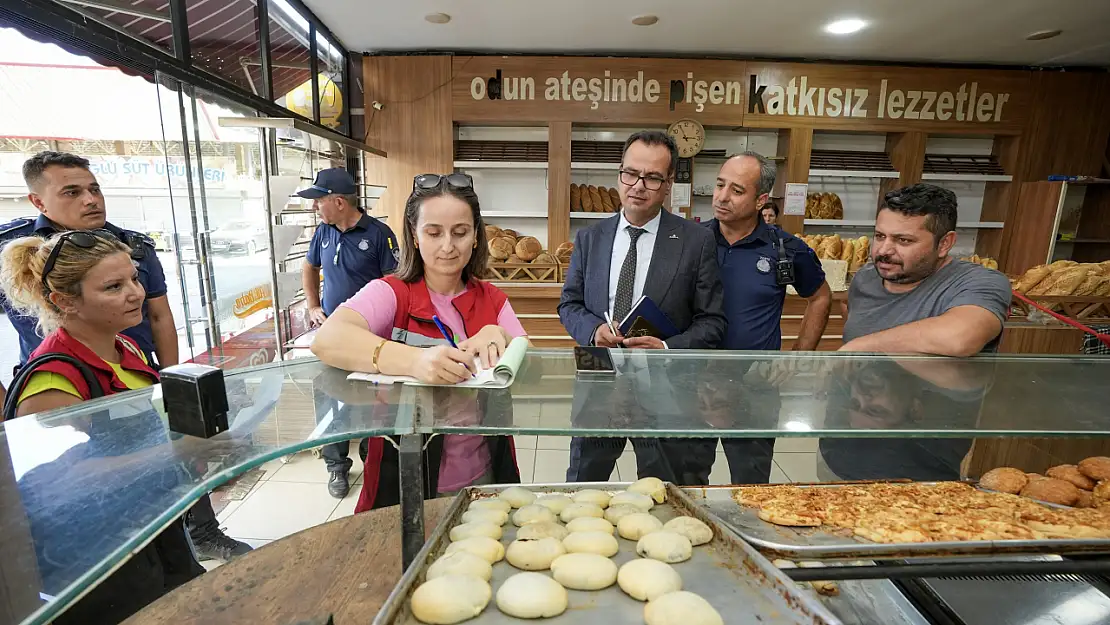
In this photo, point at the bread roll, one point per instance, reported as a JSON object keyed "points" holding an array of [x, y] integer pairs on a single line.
{"points": [[835, 246], [593, 496], [501, 248], [492, 232], [514, 259], [564, 252], [1097, 468], [450, 599], [606, 201], [528, 248], [837, 211], [1062, 282], [595, 195], [575, 198], [1091, 285], [510, 233], [587, 199], [1052, 490], [517, 496], [848, 250], [556, 502], [615, 196], [1004, 480], [546, 259], [1070, 473], [1032, 278]]}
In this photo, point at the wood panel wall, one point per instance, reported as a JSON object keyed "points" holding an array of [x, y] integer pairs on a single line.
{"points": [[1069, 126], [414, 127], [795, 144], [1029, 226], [907, 154], [558, 184]]}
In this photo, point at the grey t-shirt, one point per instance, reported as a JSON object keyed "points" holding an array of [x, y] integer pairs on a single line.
{"points": [[871, 308]]}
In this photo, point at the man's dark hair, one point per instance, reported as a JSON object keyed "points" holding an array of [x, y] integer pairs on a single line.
{"points": [[34, 166], [938, 205], [773, 205], [654, 137]]}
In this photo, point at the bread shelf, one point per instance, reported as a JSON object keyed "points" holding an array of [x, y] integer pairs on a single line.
{"points": [[870, 223], [578, 215], [595, 166], [499, 165], [851, 173], [523, 214], [969, 177]]}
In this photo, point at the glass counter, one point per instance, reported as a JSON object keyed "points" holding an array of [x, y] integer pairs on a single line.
{"points": [[86, 487]]}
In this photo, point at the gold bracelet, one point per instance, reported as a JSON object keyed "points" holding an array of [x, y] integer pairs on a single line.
{"points": [[378, 352]]}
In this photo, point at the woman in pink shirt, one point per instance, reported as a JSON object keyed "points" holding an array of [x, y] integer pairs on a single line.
{"points": [[387, 327]]}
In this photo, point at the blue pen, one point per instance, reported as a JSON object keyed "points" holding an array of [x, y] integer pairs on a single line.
{"points": [[447, 335]]}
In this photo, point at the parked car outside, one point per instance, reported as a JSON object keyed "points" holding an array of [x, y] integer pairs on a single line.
{"points": [[239, 237]]}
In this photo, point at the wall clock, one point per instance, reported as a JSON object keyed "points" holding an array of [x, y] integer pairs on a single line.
{"points": [[689, 134]]}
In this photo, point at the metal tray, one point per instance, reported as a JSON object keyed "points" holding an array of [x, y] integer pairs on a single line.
{"points": [[739, 582], [802, 543]]}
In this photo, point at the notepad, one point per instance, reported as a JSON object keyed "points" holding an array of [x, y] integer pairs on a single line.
{"points": [[499, 376], [645, 319]]}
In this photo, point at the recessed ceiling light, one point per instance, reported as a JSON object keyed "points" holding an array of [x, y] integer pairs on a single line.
{"points": [[1043, 34], [437, 18], [645, 20], [845, 27]]}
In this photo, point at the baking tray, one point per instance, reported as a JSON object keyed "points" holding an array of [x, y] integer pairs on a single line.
{"points": [[740, 583], [802, 543]]}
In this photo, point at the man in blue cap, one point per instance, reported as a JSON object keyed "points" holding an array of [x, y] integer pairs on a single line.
{"points": [[352, 248]]}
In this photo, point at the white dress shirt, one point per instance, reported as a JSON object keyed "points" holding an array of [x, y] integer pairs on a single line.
{"points": [[645, 245]]}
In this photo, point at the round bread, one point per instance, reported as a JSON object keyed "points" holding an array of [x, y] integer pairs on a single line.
{"points": [[528, 248], [531, 595], [614, 514], [639, 501], [564, 252], [512, 234], [546, 259], [681, 608], [1086, 499], [1052, 490], [1035, 476], [697, 532], [501, 248], [517, 496], [533, 513], [1004, 480], [534, 555], [556, 503], [1097, 468], [592, 496], [460, 563], [665, 546], [492, 232], [584, 571], [484, 547], [496, 517], [1102, 492], [590, 524], [1070, 473], [536, 531], [466, 530], [645, 579], [490, 504], [652, 487], [601, 543], [577, 510], [636, 526], [450, 599], [514, 259]]}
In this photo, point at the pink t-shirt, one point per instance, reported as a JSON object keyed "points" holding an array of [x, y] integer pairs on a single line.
{"points": [[465, 457]]}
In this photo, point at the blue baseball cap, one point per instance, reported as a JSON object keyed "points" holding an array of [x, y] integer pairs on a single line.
{"points": [[330, 181]]}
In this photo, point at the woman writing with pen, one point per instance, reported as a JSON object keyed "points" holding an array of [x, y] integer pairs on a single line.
{"points": [[434, 320]]}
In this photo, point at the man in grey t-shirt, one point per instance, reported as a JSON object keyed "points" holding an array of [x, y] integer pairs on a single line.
{"points": [[914, 298]]}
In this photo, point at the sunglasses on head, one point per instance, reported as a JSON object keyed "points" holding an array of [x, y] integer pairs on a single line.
{"points": [[428, 182], [84, 239]]}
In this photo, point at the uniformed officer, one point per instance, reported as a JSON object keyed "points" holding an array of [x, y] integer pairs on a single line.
{"points": [[351, 248], [755, 260], [68, 196]]}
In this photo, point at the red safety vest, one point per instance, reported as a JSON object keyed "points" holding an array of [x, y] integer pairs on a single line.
{"points": [[62, 342], [479, 306]]}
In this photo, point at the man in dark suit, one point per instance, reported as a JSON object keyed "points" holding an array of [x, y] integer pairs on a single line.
{"points": [[644, 250]]}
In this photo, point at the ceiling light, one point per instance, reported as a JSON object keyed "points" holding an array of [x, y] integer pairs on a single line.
{"points": [[645, 20], [1041, 35], [437, 18], [845, 27]]}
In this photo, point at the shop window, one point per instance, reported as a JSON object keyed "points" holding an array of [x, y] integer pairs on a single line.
{"points": [[223, 38], [290, 58]]}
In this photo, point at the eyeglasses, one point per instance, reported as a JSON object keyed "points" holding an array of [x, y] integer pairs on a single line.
{"points": [[651, 182], [84, 239], [428, 182]]}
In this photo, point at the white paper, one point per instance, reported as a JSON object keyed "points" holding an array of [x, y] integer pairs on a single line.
{"points": [[795, 199], [281, 187], [680, 195], [284, 238]]}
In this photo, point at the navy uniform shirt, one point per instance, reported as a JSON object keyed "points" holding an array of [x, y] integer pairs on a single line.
{"points": [[753, 301], [151, 277], [351, 259]]}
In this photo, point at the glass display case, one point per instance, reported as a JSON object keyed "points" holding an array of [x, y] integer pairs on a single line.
{"points": [[84, 488]]}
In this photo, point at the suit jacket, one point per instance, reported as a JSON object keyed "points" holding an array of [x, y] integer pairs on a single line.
{"points": [[682, 280]]}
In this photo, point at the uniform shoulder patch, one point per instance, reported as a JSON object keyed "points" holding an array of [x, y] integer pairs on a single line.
{"points": [[16, 224], [139, 237]]}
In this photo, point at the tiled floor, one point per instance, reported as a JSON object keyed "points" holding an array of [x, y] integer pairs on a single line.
{"points": [[293, 495]]}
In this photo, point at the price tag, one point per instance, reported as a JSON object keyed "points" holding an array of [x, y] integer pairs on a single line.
{"points": [[795, 199]]}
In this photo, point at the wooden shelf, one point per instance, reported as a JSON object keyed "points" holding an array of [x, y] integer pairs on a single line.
{"points": [[520, 214], [969, 177], [596, 166], [499, 165], [591, 215], [870, 223], [851, 173]]}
